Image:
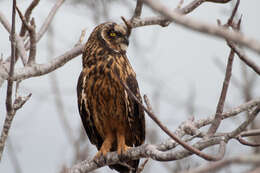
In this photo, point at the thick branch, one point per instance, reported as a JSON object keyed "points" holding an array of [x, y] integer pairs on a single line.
{"points": [[8, 103], [143, 151], [138, 9], [198, 26], [41, 69]]}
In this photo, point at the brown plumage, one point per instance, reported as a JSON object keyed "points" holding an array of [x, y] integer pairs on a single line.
{"points": [[112, 119]]}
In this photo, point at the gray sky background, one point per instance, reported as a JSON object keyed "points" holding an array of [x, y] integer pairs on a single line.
{"points": [[171, 62]]}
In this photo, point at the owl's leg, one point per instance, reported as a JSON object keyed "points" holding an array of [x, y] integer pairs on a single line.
{"points": [[121, 145], [106, 146]]}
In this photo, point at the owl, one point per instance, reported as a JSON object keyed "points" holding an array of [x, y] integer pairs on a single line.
{"points": [[112, 119]]}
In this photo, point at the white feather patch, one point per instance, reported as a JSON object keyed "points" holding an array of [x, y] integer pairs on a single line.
{"points": [[123, 46]]}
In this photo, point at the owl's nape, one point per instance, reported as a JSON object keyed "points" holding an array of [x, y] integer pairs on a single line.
{"points": [[112, 120]]}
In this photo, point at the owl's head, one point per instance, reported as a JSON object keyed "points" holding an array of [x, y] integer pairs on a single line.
{"points": [[113, 36]]}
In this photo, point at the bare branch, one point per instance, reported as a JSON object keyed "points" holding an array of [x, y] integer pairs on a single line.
{"points": [[8, 103], [172, 135], [138, 9], [41, 69], [253, 132], [214, 166], [244, 125], [81, 38], [48, 20], [197, 26], [244, 142], [155, 152], [244, 58], [20, 101], [141, 167], [27, 15], [19, 41], [170, 144], [5, 22], [31, 29], [216, 122]]}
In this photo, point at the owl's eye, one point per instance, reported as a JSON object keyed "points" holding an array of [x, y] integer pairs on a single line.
{"points": [[112, 34]]}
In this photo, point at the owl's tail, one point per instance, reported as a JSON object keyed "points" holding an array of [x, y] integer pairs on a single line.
{"points": [[124, 169]]}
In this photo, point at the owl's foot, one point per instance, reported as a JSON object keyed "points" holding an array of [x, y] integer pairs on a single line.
{"points": [[99, 159], [105, 148], [121, 146], [121, 150]]}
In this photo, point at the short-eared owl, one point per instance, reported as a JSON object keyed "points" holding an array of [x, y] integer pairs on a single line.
{"points": [[112, 119]]}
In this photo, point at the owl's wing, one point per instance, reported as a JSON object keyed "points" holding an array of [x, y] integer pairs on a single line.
{"points": [[86, 115], [136, 112]]}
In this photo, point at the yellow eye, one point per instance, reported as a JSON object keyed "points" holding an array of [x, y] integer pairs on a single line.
{"points": [[112, 34]]}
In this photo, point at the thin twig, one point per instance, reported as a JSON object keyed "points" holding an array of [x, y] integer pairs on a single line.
{"points": [[170, 144], [48, 20], [141, 167], [244, 58], [31, 29], [253, 132], [81, 38], [216, 122], [27, 16], [244, 125], [244, 142]]}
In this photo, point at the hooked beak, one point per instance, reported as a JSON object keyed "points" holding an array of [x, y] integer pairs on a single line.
{"points": [[126, 41]]}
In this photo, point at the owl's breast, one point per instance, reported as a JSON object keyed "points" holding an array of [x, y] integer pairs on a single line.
{"points": [[105, 94]]}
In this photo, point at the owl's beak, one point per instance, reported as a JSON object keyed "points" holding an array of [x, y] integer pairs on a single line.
{"points": [[125, 40], [124, 44]]}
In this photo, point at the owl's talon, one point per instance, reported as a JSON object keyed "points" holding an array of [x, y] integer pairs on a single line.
{"points": [[99, 158], [121, 151]]}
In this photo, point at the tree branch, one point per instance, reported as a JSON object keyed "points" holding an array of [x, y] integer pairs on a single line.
{"points": [[244, 58], [27, 15], [172, 135], [187, 22], [217, 120], [215, 166], [48, 20], [9, 107], [138, 9], [41, 69], [31, 29]]}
